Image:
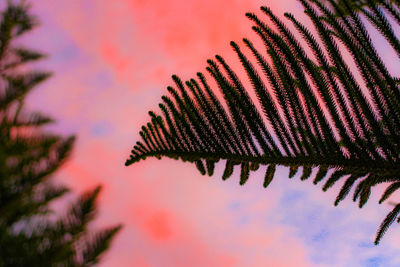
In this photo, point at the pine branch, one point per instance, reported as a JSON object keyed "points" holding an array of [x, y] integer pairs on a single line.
{"points": [[314, 113]]}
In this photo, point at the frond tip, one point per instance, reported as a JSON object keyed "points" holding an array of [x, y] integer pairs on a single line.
{"points": [[269, 175], [386, 223]]}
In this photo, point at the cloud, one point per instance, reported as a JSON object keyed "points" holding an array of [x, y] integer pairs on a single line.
{"points": [[112, 61]]}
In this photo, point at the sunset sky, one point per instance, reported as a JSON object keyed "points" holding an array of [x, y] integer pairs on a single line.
{"points": [[112, 62]]}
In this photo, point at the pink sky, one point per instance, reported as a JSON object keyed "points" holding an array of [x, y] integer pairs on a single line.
{"points": [[112, 62]]}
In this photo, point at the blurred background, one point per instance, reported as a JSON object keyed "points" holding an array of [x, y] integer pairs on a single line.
{"points": [[112, 62]]}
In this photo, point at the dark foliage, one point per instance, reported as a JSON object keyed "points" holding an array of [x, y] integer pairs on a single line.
{"points": [[313, 112], [31, 233]]}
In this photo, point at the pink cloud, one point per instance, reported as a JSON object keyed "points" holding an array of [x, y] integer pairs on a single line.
{"points": [[112, 56], [159, 226], [170, 212]]}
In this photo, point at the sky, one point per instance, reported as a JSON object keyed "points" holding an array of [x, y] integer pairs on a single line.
{"points": [[112, 61]]}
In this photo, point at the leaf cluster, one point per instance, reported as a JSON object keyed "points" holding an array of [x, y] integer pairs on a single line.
{"points": [[31, 232], [313, 112]]}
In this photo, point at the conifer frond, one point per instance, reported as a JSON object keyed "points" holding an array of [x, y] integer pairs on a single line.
{"points": [[94, 245], [310, 112], [31, 232]]}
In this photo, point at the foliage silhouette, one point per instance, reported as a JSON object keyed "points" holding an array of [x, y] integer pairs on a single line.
{"points": [[31, 233], [313, 111]]}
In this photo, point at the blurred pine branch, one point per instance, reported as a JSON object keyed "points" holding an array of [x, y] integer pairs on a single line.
{"points": [[31, 234]]}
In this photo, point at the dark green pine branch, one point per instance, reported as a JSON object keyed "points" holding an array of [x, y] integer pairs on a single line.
{"points": [[313, 115], [31, 233]]}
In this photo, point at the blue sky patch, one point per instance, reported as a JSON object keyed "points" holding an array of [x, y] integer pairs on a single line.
{"points": [[101, 129]]}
